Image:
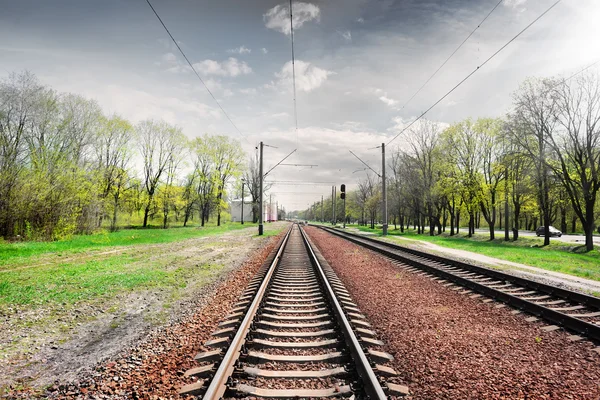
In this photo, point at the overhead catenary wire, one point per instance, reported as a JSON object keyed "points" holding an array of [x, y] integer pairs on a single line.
{"points": [[196, 72], [451, 55], [474, 71], [293, 71]]}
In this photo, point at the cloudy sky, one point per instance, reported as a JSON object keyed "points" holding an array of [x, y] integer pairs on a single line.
{"points": [[357, 64]]}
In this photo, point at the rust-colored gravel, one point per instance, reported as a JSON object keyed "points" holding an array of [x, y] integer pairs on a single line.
{"points": [[155, 368], [449, 346]]}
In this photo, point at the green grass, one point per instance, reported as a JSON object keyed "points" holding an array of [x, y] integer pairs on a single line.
{"points": [[20, 251], [558, 256], [67, 283]]}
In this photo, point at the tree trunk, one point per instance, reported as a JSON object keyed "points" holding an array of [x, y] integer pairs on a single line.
{"points": [[588, 227], [401, 223], [146, 212], [574, 224], [113, 224], [458, 222], [563, 220], [471, 224]]}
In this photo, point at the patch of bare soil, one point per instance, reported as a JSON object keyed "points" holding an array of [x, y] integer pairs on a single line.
{"points": [[58, 357], [450, 346]]}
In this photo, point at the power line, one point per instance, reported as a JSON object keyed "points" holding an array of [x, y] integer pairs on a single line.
{"points": [[293, 71], [475, 70], [195, 72], [451, 55]]}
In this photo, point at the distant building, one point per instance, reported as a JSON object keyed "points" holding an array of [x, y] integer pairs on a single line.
{"points": [[235, 207], [269, 212]]}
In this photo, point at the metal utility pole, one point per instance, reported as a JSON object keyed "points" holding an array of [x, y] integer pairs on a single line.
{"points": [[384, 192], [260, 192], [270, 208], [332, 200], [506, 234], [243, 202], [322, 208], [276, 211], [344, 212]]}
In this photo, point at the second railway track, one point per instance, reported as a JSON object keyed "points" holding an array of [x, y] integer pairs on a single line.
{"points": [[295, 333], [577, 312]]}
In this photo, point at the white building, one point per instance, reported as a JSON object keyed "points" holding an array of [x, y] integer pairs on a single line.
{"points": [[235, 207]]}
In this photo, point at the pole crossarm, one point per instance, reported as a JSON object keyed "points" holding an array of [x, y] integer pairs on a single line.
{"points": [[275, 166], [367, 165]]}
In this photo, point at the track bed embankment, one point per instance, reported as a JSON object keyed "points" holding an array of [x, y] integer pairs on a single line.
{"points": [[448, 345]]}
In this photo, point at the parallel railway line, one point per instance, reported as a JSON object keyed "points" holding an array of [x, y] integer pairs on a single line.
{"points": [[576, 312], [295, 333]]}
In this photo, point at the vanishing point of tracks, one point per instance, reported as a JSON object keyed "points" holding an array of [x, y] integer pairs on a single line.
{"points": [[576, 312], [295, 333]]}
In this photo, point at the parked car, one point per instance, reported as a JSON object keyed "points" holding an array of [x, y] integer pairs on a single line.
{"points": [[553, 231]]}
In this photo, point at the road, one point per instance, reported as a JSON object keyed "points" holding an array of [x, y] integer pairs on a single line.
{"points": [[563, 238]]}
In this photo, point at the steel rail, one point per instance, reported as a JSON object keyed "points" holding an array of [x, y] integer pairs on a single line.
{"points": [[369, 379], [569, 322], [218, 384]]}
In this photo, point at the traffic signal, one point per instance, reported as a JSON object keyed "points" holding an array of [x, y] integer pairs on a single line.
{"points": [[343, 191]]}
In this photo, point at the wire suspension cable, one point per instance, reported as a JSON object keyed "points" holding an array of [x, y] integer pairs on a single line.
{"points": [[451, 55], [195, 72], [275, 166], [293, 71], [367, 165], [475, 70]]}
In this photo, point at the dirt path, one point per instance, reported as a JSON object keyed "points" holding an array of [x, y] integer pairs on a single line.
{"points": [[37, 349]]}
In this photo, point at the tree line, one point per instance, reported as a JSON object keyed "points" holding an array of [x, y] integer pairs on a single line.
{"points": [[66, 167], [542, 159]]}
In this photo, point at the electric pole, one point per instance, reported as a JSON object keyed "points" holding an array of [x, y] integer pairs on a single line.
{"points": [[322, 220], [506, 221], [270, 208], [243, 201], [384, 193], [332, 200], [260, 192]]}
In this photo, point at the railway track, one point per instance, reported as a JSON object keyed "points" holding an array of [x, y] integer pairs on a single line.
{"points": [[295, 333], [576, 312]]}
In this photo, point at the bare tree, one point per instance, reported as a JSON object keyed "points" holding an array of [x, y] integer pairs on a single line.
{"points": [[423, 144], [159, 143], [532, 122], [576, 146], [113, 155], [492, 151], [19, 95]]}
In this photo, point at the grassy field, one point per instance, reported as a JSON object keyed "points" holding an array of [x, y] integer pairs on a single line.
{"points": [[49, 288], [11, 252], [64, 272], [558, 256]]}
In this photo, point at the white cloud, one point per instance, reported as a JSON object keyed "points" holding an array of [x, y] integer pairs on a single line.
{"points": [[248, 91], [280, 115], [169, 57], [264, 50], [308, 77], [278, 17], [360, 20], [240, 50], [390, 102], [514, 3], [347, 35], [231, 67]]}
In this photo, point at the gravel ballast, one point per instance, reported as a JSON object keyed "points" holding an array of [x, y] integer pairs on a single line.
{"points": [[447, 345]]}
